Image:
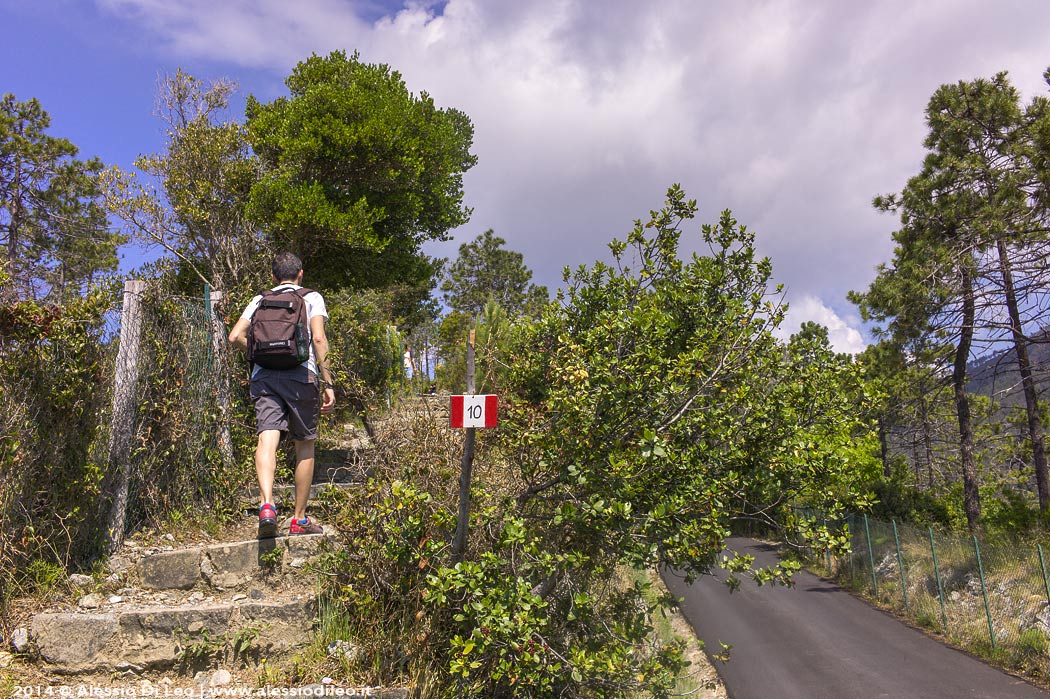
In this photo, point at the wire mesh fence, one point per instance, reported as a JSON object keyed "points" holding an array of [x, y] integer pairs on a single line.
{"points": [[992, 596], [190, 421], [57, 375]]}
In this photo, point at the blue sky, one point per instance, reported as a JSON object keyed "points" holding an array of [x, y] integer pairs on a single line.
{"points": [[793, 113]]}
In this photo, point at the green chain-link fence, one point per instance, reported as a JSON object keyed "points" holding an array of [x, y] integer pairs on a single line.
{"points": [[190, 424], [189, 433], [992, 597]]}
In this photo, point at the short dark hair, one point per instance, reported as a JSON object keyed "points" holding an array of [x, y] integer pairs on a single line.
{"points": [[286, 267]]}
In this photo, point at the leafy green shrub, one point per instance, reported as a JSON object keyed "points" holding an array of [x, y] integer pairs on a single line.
{"points": [[896, 501], [640, 417], [1031, 649], [1011, 512], [366, 351], [53, 398]]}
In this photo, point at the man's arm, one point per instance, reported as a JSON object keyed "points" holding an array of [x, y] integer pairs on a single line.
{"points": [[320, 342], [239, 335]]}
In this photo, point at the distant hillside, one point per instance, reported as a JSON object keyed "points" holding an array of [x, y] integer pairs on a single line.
{"points": [[997, 377]]}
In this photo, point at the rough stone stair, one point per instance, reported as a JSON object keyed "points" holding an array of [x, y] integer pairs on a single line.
{"points": [[164, 612], [181, 606]]}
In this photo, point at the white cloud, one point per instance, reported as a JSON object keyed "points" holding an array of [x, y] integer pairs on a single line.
{"points": [[793, 113], [843, 336]]}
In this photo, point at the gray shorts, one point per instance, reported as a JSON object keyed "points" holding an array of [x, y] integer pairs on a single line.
{"points": [[287, 401]]}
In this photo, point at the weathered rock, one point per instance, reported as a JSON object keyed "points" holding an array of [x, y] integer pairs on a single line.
{"points": [[220, 678], [178, 570], [887, 567], [343, 649], [1039, 620], [153, 637], [224, 565], [305, 546], [81, 580], [92, 601], [6, 659], [20, 639], [231, 565], [74, 642], [115, 599]]}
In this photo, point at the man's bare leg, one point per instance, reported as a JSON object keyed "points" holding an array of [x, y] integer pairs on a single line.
{"points": [[266, 463], [304, 475]]}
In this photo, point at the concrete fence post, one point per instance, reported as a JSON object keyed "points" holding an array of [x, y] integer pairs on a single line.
{"points": [[122, 420]]}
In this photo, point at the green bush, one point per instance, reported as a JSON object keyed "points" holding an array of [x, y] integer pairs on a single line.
{"points": [[53, 398], [640, 417], [896, 501]]}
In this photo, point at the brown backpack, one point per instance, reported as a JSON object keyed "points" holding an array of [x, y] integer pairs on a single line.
{"points": [[279, 332]]}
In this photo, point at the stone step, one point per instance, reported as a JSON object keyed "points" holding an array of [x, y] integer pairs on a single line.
{"points": [[159, 637], [227, 565]]}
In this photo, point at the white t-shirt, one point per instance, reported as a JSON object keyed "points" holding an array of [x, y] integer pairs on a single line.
{"points": [[314, 307]]}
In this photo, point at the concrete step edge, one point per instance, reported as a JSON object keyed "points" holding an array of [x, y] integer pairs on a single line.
{"points": [[229, 564], [156, 637]]}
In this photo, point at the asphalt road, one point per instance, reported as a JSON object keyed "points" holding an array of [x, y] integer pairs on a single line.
{"points": [[816, 641]]}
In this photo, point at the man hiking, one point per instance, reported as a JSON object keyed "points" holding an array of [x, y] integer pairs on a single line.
{"points": [[287, 363]]}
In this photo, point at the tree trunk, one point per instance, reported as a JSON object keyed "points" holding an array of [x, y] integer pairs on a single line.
{"points": [[884, 448], [1024, 367], [971, 496], [927, 441]]}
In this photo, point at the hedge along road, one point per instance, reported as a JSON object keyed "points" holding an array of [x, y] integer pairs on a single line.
{"points": [[816, 641]]}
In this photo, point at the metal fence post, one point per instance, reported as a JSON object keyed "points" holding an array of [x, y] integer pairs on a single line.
{"points": [[984, 592], [871, 557], [827, 549], [1042, 567], [900, 566], [940, 587], [459, 544]]}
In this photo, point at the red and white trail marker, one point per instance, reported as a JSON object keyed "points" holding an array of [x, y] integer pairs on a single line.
{"points": [[473, 411]]}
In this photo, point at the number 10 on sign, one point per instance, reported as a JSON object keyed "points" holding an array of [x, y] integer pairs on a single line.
{"points": [[473, 411]]}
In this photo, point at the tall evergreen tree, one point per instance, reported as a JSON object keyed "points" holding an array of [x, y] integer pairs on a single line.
{"points": [[971, 248], [359, 173], [52, 227], [486, 271]]}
